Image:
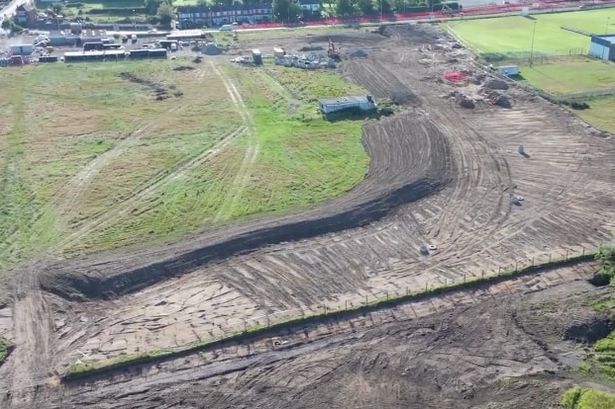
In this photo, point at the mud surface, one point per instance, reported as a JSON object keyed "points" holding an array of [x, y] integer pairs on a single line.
{"points": [[475, 349], [440, 176]]}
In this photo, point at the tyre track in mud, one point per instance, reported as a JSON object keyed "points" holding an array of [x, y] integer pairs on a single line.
{"points": [[391, 181], [471, 157], [250, 155], [125, 206]]}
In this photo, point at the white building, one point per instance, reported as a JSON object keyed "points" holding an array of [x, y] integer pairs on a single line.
{"points": [[364, 103], [603, 47]]}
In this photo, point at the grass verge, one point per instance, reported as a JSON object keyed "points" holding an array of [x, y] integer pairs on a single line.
{"points": [[587, 398], [5, 349]]}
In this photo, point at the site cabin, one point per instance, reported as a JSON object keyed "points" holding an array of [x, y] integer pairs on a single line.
{"points": [[508, 70], [364, 103], [21, 49], [257, 57], [603, 47]]}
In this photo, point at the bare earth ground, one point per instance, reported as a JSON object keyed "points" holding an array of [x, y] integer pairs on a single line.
{"points": [[439, 175], [501, 346]]}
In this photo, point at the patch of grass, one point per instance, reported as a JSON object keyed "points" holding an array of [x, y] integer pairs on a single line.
{"points": [[600, 113], [577, 74], [91, 161], [301, 160], [85, 366], [4, 349], [605, 356], [513, 35], [587, 398]]}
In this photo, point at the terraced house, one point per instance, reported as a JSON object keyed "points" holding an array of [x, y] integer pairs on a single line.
{"points": [[198, 16]]}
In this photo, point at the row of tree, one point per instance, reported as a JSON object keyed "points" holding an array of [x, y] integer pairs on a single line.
{"points": [[289, 10]]}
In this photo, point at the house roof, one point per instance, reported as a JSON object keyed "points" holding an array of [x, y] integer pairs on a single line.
{"points": [[606, 39], [306, 2], [24, 7]]}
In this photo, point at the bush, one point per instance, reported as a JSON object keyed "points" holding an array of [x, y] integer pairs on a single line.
{"points": [[606, 258]]}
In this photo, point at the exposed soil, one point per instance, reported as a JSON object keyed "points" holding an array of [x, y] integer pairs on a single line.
{"points": [[474, 349], [159, 90], [439, 175]]}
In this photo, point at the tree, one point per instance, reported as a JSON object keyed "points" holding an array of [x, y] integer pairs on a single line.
{"points": [[384, 6], [400, 5], [166, 14], [152, 6], [286, 10], [58, 8], [344, 8], [366, 7]]}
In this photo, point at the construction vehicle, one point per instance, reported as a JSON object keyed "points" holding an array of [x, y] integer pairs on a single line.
{"points": [[332, 52]]}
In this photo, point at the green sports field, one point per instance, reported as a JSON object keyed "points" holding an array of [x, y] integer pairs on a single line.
{"points": [[571, 75], [513, 35]]}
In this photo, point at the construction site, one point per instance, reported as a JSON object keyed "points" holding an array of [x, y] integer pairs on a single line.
{"points": [[356, 300]]}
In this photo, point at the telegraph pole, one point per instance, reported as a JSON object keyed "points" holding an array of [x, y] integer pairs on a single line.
{"points": [[532, 47]]}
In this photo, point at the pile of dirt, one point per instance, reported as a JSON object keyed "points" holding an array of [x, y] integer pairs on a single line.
{"points": [[358, 53], [495, 83], [211, 49], [465, 101], [589, 330], [159, 91], [497, 98], [383, 31], [311, 48]]}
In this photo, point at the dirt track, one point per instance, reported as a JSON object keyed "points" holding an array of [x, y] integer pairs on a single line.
{"points": [[438, 175]]}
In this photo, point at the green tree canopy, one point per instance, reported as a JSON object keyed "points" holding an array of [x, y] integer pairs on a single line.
{"points": [[366, 7], [344, 8], [166, 14], [286, 10]]}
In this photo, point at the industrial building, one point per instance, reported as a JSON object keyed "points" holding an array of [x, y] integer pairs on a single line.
{"points": [[603, 47], [364, 103], [107, 55], [21, 49]]}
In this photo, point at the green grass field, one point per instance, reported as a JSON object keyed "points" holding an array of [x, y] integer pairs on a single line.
{"points": [[587, 398], [512, 36], [600, 113], [90, 161], [574, 75]]}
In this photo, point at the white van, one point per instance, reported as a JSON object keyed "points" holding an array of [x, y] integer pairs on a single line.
{"points": [[227, 27]]}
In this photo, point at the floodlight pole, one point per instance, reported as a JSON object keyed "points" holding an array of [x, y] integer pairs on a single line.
{"points": [[532, 47]]}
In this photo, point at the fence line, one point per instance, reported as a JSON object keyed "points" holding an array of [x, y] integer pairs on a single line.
{"points": [[278, 320]]}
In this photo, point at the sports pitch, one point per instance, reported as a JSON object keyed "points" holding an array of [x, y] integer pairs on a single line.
{"points": [[513, 35]]}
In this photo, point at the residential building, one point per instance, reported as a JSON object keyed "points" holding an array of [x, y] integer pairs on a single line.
{"points": [[25, 15], [310, 9], [198, 16]]}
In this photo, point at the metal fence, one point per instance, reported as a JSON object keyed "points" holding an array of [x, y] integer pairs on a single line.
{"points": [[399, 295]]}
